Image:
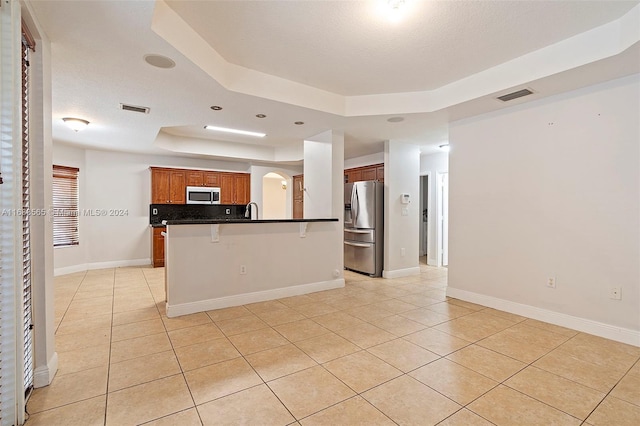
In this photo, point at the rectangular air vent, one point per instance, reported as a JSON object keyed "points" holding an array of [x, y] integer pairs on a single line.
{"points": [[515, 95], [134, 108]]}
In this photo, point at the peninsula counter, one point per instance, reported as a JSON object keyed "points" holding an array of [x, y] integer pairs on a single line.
{"points": [[213, 264]]}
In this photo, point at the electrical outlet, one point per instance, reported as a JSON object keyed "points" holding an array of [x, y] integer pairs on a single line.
{"points": [[227, 211], [551, 282], [243, 270], [615, 293]]}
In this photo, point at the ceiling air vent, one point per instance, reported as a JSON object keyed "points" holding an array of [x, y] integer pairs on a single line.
{"points": [[515, 95], [134, 108]]}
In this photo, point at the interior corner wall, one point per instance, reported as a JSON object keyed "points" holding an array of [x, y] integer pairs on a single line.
{"points": [[401, 176], [432, 164], [551, 188]]}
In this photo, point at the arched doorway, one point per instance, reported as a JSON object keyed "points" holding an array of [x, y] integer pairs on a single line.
{"points": [[276, 196]]}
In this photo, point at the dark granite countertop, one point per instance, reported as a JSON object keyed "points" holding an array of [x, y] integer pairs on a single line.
{"points": [[221, 221]]}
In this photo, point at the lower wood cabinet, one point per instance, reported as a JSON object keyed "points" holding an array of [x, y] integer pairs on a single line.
{"points": [[157, 246]]}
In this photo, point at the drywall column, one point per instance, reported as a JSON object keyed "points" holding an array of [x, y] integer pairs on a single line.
{"points": [[45, 356], [401, 221], [324, 175], [551, 188]]}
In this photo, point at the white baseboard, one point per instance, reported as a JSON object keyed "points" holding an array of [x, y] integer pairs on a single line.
{"points": [[399, 273], [43, 375], [100, 265], [619, 334], [258, 296]]}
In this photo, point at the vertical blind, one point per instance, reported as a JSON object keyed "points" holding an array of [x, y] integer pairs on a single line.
{"points": [[27, 323], [65, 206]]}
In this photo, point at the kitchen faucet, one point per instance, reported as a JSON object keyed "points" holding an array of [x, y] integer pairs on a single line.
{"points": [[247, 211]]}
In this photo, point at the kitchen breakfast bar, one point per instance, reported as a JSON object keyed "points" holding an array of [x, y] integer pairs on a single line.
{"points": [[213, 264]]}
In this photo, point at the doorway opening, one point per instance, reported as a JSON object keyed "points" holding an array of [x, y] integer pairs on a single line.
{"points": [[425, 202], [276, 196]]}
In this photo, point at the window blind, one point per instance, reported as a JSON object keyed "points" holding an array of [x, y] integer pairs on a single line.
{"points": [[65, 206], [27, 323]]}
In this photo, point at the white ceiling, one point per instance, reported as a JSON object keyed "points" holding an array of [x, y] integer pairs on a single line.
{"points": [[331, 64]]}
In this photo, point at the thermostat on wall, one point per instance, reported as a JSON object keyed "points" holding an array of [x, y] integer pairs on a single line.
{"points": [[405, 198]]}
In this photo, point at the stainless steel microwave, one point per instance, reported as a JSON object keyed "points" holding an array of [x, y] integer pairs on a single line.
{"points": [[203, 195]]}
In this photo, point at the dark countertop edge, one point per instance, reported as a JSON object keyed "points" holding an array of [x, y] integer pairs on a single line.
{"points": [[223, 221]]}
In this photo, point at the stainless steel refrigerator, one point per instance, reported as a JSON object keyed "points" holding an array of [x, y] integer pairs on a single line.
{"points": [[363, 227]]}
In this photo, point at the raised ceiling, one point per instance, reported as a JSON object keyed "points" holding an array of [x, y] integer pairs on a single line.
{"points": [[331, 64]]}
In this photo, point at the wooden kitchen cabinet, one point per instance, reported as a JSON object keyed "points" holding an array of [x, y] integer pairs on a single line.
{"points": [[157, 244], [356, 174], [168, 186], [369, 173], [298, 197], [195, 178], [235, 188], [211, 179]]}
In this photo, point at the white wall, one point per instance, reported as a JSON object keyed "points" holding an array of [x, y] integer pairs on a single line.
{"points": [[431, 165], [551, 189], [365, 160], [401, 175], [257, 175], [116, 181], [324, 175], [274, 198]]}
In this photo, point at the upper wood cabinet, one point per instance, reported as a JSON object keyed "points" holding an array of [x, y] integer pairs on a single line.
{"points": [[211, 179], [168, 186], [356, 174], [235, 188], [195, 178]]}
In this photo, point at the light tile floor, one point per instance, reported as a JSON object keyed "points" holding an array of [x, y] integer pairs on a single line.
{"points": [[376, 352]]}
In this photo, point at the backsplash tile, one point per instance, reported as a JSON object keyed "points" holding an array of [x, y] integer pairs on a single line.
{"points": [[160, 212]]}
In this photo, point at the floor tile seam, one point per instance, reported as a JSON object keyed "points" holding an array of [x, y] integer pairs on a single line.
{"points": [[162, 318], [551, 406], [315, 412], [566, 338], [140, 337], [66, 405], [144, 383], [462, 405], [561, 349], [548, 351], [345, 400], [71, 300], [564, 353]]}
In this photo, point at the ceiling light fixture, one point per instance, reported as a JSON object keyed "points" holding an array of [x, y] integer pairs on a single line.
{"points": [[299, 123], [235, 131], [393, 10], [395, 119], [216, 108], [76, 124], [159, 61], [444, 147], [261, 116]]}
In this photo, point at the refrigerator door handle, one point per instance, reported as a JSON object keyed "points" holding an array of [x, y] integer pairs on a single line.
{"points": [[354, 206], [365, 245], [355, 231]]}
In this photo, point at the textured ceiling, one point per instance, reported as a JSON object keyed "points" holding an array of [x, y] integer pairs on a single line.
{"points": [[352, 48], [97, 50]]}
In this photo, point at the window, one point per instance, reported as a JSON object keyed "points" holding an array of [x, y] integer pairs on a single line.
{"points": [[65, 206]]}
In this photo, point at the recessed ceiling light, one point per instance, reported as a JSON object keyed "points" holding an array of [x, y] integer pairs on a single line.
{"points": [[216, 108], [76, 124], [261, 116], [299, 123], [159, 61], [236, 131], [395, 119]]}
